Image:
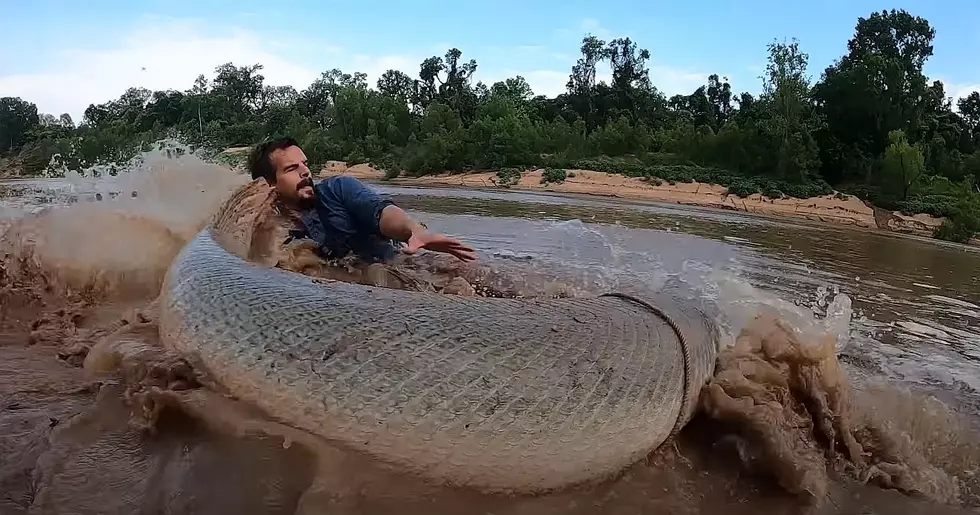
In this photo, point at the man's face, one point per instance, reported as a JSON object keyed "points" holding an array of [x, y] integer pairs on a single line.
{"points": [[294, 183]]}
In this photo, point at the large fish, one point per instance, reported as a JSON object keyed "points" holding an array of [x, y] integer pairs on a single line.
{"points": [[516, 395]]}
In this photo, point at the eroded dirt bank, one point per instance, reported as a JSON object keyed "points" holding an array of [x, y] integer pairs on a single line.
{"points": [[829, 209]]}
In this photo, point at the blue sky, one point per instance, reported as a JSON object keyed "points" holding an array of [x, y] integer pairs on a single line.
{"points": [[64, 55]]}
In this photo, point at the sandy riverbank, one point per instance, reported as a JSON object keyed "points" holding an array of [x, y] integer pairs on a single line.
{"points": [[844, 210], [831, 209]]}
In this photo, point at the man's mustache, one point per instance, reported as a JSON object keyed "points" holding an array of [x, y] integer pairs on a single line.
{"points": [[304, 183]]}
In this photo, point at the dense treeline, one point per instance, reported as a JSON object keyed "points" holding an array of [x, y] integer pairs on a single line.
{"points": [[873, 125]]}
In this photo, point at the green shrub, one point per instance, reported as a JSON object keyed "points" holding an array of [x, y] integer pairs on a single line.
{"points": [[508, 177], [771, 190], [963, 222], [553, 175], [935, 205], [742, 187]]}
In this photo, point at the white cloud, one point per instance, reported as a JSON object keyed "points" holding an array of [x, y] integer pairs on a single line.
{"points": [[375, 66], [545, 82], [668, 80], [958, 91], [168, 53], [674, 81], [157, 57]]}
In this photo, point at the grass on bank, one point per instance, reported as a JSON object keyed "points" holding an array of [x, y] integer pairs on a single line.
{"points": [[937, 196], [959, 203]]}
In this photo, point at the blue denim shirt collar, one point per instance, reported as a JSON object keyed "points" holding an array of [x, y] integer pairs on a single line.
{"points": [[351, 235]]}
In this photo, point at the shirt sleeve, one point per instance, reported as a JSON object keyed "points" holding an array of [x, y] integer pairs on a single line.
{"points": [[361, 201]]}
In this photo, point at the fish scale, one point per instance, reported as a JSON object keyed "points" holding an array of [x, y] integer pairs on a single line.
{"points": [[516, 395]]}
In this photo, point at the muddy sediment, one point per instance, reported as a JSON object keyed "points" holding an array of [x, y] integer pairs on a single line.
{"points": [[77, 446], [793, 403], [97, 417]]}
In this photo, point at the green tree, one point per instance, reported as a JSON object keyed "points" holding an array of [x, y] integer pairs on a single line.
{"points": [[902, 165], [969, 107], [17, 118], [872, 122], [876, 88], [793, 120]]}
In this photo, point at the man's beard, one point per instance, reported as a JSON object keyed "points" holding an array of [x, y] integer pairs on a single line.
{"points": [[304, 202]]}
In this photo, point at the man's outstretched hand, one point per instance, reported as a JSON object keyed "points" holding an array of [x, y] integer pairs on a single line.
{"points": [[397, 225], [438, 243]]}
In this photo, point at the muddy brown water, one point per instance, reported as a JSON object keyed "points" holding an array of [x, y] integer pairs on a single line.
{"points": [[900, 314]]}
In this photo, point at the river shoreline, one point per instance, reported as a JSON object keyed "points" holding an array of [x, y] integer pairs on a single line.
{"points": [[829, 209], [833, 209]]}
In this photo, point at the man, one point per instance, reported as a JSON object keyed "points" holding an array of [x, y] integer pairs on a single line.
{"points": [[342, 214]]}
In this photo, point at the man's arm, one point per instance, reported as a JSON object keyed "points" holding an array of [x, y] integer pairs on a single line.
{"points": [[382, 216], [395, 223], [371, 210]]}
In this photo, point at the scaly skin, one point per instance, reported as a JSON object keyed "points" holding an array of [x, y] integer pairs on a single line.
{"points": [[517, 395]]}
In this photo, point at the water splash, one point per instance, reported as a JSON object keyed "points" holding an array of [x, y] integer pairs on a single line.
{"points": [[740, 302], [88, 241], [123, 243]]}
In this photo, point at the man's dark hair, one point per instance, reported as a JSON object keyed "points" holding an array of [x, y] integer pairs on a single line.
{"points": [[260, 159]]}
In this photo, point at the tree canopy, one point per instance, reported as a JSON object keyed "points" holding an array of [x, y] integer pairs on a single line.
{"points": [[872, 124]]}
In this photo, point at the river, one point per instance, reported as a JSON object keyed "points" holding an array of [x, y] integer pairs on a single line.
{"points": [[915, 301], [904, 312]]}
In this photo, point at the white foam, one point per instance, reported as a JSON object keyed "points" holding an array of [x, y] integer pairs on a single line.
{"points": [[954, 302]]}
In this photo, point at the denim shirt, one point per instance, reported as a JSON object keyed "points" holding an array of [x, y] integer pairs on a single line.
{"points": [[346, 218]]}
